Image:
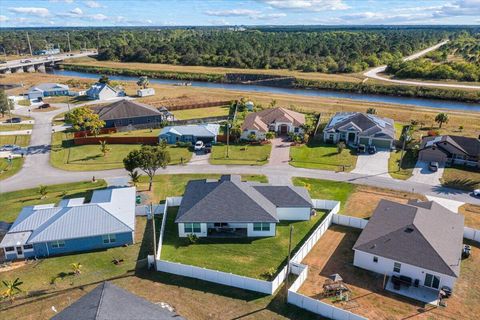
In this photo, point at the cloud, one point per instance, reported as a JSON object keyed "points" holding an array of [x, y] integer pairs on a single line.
{"points": [[3, 18], [98, 17], [66, 1], [34, 11], [459, 8], [307, 5], [232, 13], [77, 12], [93, 4]]}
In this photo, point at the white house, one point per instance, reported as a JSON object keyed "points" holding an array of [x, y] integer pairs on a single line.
{"points": [[102, 91], [43, 90], [145, 92], [279, 120], [419, 241], [229, 207]]}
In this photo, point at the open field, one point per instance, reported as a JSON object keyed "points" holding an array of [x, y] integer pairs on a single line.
{"points": [[19, 140], [245, 154], [251, 257], [325, 189], [472, 215], [201, 113], [315, 155], [461, 177], [9, 169], [333, 254], [67, 156]]}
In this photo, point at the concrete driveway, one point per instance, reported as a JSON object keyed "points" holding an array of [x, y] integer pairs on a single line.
{"points": [[422, 174], [373, 164]]}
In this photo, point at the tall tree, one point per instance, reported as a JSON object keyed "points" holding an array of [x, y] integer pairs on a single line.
{"points": [[84, 119], [148, 159], [441, 118], [5, 105], [104, 79], [143, 82]]}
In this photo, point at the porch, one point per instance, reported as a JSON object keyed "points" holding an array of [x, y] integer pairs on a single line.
{"points": [[420, 293], [225, 232]]}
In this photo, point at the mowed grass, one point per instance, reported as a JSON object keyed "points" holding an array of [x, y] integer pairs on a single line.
{"points": [[134, 133], [8, 169], [67, 156], [241, 154], [251, 257], [316, 155], [201, 113], [19, 140], [461, 177], [16, 126], [405, 171]]}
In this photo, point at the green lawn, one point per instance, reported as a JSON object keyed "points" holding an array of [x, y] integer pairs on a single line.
{"points": [[13, 202], [24, 102], [408, 164], [9, 169], [20, 140], [461, 177], [67, 156], [317, 155], [135, 133], [241, 154], [398, 130], [16, 126], [201, 113], [251, 257]]}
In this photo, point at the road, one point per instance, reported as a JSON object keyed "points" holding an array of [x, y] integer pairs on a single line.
{"points": [[47, 58], [374, 73]]}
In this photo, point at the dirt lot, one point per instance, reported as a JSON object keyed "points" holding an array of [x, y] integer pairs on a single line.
{"points": [[472, 215], [364, 200], [333, 254]]}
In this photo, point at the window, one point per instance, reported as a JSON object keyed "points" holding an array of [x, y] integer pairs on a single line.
{"points": [[396, 267], [296, 130], [109, 238], [28, 247], [192, 228], [57, 244], [9, 249], [261, 226], [431, 281], [375, 259], [332, 136]]}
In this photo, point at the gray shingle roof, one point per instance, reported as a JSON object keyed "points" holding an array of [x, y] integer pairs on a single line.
{"points": [[230, 200], [125, 109], [453, 144], [425, 235], [368, 125], [108, 302]]}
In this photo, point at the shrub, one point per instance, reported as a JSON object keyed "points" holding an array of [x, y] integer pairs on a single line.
{"points": [[433, 133], [270, 135], [192, 238], [269, 274]]}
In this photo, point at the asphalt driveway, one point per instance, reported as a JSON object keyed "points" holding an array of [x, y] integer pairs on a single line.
{"points": [[422, 174], [373, 164]]}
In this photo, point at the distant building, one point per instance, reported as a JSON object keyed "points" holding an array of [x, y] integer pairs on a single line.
{"points": [[145, 92], [102, 91], [47, 90], [108, 220], [190, 133]]}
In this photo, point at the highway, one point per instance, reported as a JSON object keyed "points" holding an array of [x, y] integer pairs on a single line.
{"points": [[28, 61]]}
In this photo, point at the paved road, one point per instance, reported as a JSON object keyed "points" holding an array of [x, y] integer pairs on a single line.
{"points": [[373, 73], [40, 59]]}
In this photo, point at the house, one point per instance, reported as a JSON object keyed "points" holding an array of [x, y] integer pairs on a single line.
{"points": [[360, 128], [108, 220], [47, 90], [126, 112], [229, 207], [190, 133], [279, 120], [419, 241], [249, 105], [102, 91], [145, 92], [451, 150], [107, 301]]}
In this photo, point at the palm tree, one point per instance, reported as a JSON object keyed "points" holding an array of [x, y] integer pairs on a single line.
{"points": [[441, 118], [134, 177], [372, 111], [104, 147], [42, 190], [76, 268], [12, 288], [143, 82]]}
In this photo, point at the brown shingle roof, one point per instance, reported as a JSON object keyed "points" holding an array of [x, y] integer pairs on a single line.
{"points": [[261, 120]]}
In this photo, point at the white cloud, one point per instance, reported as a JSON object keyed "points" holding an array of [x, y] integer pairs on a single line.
{"points": [[459, 8], [34, 11], [232, 13], [77, 11], [3, 18], [149, 21], [93, 4], [98, 17], [308, 5], [66, 1]]}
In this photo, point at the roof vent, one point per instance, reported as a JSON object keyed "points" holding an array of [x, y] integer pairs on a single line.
{"points": [[409, 230]]}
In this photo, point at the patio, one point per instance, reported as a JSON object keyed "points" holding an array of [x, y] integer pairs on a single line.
{"points": [[424, 294], [227, 232]]}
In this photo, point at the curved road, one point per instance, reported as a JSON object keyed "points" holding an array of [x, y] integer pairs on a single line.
{"points": [[37, 169], [373, 73]]}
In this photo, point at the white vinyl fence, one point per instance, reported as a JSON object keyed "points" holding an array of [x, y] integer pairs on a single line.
{"points": [[144, 210], [471, 234], [348, 221]]}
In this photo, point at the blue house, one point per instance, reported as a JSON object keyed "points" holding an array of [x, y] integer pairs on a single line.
{"points": [[108, 220], [47, 90], [190, 133]]}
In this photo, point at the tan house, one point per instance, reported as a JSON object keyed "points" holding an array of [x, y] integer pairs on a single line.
{"points": [[451, 150], [279, 120]]}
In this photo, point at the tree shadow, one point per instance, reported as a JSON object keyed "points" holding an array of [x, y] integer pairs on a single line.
{"points": [[465, 184]]}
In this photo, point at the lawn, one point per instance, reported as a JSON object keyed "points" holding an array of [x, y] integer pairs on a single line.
{"points": [[408, 164], [316, 155], [398, 130], [67, 156], [241, 154], [16, 126], [461, 177], [9, 169], [251, 257], [201, 113], [472, 215], [134, 133], [20, 140]]}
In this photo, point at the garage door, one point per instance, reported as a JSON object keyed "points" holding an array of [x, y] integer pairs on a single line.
{"points": [[364, 141], [381, 143]]}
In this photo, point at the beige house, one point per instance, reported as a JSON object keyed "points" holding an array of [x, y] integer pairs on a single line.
{"points": [[279, 120]]}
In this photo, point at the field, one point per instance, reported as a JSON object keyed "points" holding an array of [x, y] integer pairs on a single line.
{"points": [[9, 169], [19, 140], [241, 154], [323, 156], [333, 254], [201, 113], [472, 215]]}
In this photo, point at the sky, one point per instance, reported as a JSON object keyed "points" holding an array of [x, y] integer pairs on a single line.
{"points": [[51, 13]]}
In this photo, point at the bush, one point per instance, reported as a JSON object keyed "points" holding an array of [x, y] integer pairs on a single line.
{"points": [[270, 135], [183, 144], [433, 133], [269, 274], [192, 238]]}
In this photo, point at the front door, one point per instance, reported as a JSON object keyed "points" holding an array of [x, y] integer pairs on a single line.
{"points": [[19, 252], [431, 281], [351, 137], [283, 129]]}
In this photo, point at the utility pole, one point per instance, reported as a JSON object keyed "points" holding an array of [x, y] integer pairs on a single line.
{"points": [[68, 39], [29, 46], [228, 136], [405, 136], [288, 261], [154, 232]]}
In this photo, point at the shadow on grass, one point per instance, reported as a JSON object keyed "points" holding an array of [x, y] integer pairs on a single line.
{"points": [[465, 184]]}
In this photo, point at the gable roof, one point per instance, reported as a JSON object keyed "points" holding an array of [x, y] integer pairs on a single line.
{"points": [[261, 120], [422, 234], [107, 301], [124, 109], [96, 88], [231, 200], [197, 130], [367, 125], [110, 211], [48, 87], [453, 145]]}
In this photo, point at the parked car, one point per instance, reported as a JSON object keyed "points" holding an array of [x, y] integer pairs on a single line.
{"points": [[44, 106], [14, 120], [25, 61], [361, 148], [9, 147], [476, 193], [372, 149], [199, 146], [433, 166], [208, 147]]}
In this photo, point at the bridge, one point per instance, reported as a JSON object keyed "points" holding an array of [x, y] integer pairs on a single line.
{"points": [[39, 64]]}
